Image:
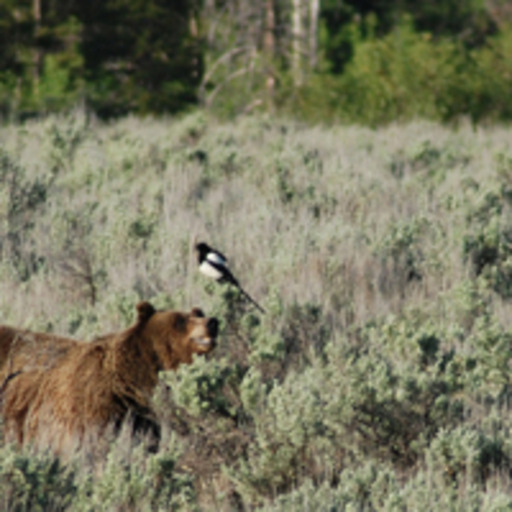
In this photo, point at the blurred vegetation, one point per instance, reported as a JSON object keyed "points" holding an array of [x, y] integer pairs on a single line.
{"points": [[379, 379], [368, 62]]}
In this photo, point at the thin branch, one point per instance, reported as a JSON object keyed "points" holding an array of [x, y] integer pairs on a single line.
{"points": [[232, 76], [216, 64]]}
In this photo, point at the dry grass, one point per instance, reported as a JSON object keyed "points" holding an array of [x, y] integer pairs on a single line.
{"points": [[366, 226]]}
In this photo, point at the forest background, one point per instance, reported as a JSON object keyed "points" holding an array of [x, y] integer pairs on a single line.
{"points": [[369, 62]]}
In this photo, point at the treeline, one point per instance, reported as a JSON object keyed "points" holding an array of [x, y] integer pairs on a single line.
{"points": [[117, 56], [370, 62]]}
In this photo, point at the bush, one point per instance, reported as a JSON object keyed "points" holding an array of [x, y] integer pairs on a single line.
{"points": [[378, 85], [35, 482]]}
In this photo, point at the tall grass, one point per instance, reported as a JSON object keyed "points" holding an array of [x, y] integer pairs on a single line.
{"points": [[379, 378]]}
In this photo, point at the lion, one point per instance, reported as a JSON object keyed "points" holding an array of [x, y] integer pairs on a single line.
{"points": [[96, 386]]}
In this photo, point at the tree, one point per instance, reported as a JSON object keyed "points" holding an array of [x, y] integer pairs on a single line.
{"points": [[16, 38], [297, 41], [314, 12], [140, 56], [269, 51]]}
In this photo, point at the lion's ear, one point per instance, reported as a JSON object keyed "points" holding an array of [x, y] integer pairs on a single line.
{"points": [[145, 312], [197, 312]]}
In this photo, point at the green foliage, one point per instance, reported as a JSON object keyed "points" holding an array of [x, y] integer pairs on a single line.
{"points": [[152, 57], [200, 388], [148, 63], [490, 82], [378, 85], [465, 454], [137, 481], [373, 84], [487, 244], [21, 199], [38, 483], [371, 487], [402, 252], [392, 407], [61, 84]]}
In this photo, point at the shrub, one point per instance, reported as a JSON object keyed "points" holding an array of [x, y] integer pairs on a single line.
{"points": [[378, 86], [34, 482], [136, 481], [488, 238]]}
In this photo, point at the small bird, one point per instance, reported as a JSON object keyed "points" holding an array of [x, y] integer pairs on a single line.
{"points": [[214, 264]]}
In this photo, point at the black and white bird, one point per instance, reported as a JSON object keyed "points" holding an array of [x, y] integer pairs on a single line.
{"points": [[214, 264]]}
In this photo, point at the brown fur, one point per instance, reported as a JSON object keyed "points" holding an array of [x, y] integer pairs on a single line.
{"points": [[22, 350], [98, 384]]}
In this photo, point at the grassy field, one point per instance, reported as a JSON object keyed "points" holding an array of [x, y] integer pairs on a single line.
{"points": [[379, 379]]}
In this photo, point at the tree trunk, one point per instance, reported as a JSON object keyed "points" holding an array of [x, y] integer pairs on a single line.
{"points": [[37, 55], [314, 10], [269, 50], [196, 58], [297, 42]]}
